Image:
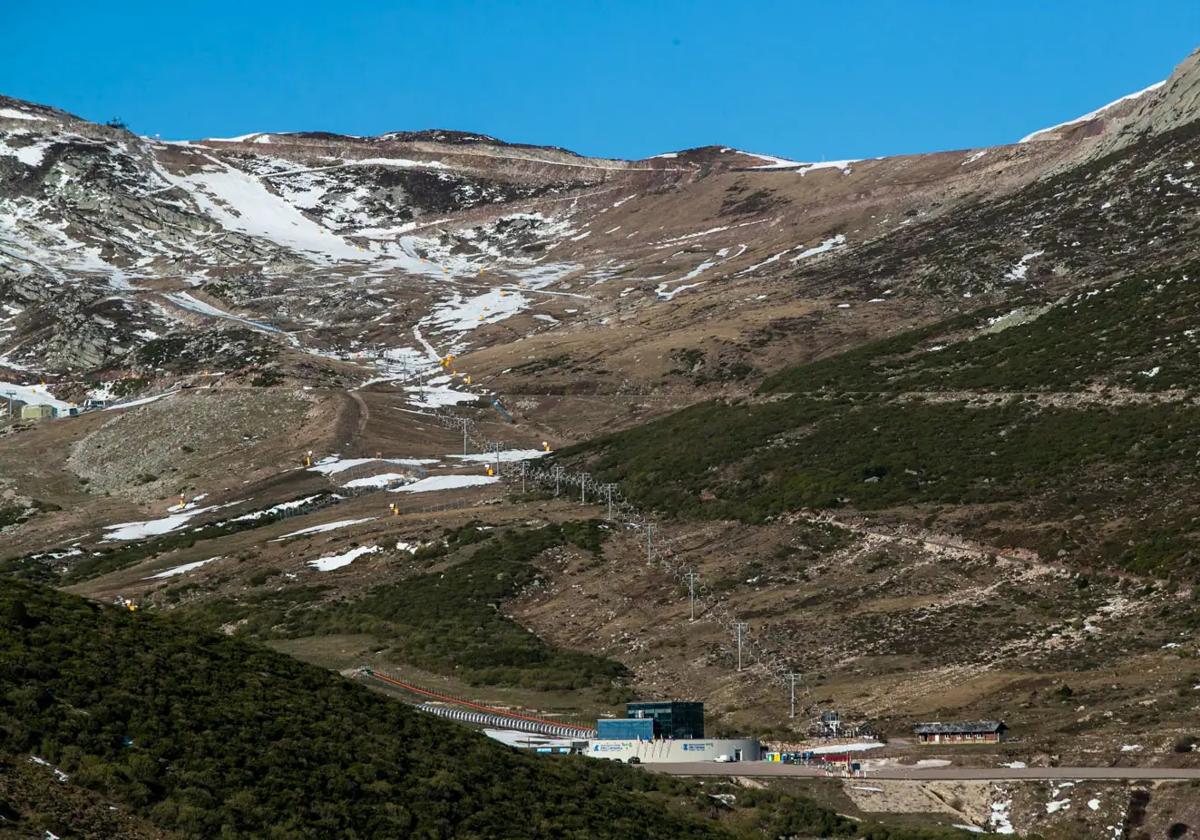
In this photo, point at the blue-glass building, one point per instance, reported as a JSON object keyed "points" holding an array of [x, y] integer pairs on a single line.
{"points": [[625, 729], [671, 718]]}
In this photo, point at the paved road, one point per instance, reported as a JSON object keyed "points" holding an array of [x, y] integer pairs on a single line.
{"points": [[764, 768]]}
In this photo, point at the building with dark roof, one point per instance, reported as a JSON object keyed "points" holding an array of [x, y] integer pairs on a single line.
{"points": [[961, 732]]}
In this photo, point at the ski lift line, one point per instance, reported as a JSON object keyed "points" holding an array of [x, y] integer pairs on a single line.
{"points": [[484, 719], [446, 698], [624, 512], [718, 611]]}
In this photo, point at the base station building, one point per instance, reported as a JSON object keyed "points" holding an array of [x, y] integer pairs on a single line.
{"points": [[665, 731]]}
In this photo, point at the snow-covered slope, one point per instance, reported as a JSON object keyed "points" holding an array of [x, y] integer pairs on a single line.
{"points": [[1047, 133], [134, 256]]}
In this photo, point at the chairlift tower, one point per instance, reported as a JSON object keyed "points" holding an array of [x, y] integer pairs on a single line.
{"points": [[465, 424], [740, 628], [792, 676], [692, 576], [608, 489]]}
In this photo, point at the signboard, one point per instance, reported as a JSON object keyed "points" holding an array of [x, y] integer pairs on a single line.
{"points": [[612, 746]]}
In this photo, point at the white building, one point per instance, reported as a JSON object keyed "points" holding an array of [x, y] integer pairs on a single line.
{"points": [[676, 750]]}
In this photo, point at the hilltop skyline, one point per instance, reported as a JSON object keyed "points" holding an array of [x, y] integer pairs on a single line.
{"points": [[615, 80]]}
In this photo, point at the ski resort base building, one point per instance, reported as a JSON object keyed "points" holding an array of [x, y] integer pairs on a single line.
{"points": [[668, 731], [676, 750]]}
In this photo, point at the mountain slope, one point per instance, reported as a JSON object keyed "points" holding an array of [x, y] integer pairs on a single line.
{"points": [[925, 424], [210, 736], [278, 228], [205, 736]]}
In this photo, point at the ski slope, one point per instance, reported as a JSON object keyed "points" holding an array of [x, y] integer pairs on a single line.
{"points": [[241, 203]]}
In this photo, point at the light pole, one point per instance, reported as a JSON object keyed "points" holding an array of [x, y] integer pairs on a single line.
{"points": [[692, 575], [465, 422], [740, 628], [792, 677]]}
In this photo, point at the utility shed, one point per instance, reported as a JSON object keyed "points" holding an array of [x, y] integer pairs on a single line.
{"points": [[961, 732], [37, 412]]}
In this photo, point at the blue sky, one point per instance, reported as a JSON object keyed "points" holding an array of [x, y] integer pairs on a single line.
{"points": [[805, 80]]}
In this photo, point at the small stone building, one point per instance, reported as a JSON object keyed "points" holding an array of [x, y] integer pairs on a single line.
{"points": [[961, 732]]}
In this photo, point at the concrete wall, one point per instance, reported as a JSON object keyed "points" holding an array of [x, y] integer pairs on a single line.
{"points": [[699, 749]]}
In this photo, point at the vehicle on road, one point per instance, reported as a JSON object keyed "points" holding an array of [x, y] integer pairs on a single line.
{"points": [[724, 759]]}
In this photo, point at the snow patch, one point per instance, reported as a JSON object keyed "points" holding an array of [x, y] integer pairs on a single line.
{"points": [[445, 482], [14, 114], [1000, 820], [505, 455], [279, 508], [328, 526], [241, 202], [1090, 115], [179, 570], [378, 481], [32, 395], [336, 561], [797, 166], [1017, 273], [153, 527], [334, 464]]}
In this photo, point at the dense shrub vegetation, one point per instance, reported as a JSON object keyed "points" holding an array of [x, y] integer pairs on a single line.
{"points": [[866, 429], [1135, 333], [214, 736], [211, 736], [449, 620]]}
